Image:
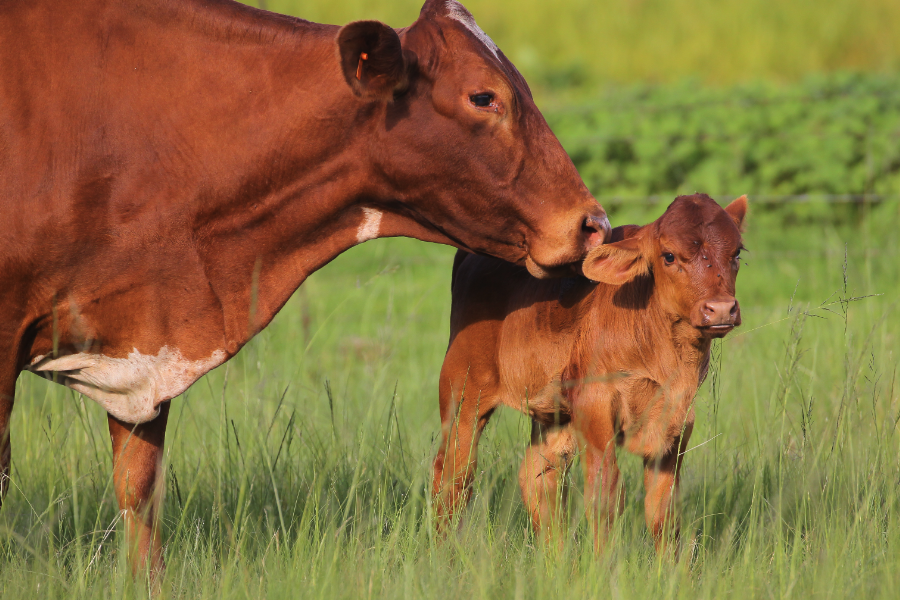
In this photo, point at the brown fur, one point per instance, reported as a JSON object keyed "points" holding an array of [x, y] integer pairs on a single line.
{"points": [[595, 365], [172, 170]]}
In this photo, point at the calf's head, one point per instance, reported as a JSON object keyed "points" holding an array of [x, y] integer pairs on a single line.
{"points": [[692, 253], [461, 147]]}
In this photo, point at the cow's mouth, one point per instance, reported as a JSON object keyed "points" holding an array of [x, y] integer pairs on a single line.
{"points": [[542, 272], [594, 230]]}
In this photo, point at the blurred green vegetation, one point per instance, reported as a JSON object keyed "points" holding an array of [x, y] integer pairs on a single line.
{"points": [[301, 469], [659, 97], [598, 42]]}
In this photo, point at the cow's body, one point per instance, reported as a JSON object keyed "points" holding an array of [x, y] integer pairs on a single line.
{"points": [[594, 364], [170, 172]]}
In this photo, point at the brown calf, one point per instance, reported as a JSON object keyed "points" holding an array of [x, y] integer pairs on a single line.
{"points": [[172, 170], [595, 365]]}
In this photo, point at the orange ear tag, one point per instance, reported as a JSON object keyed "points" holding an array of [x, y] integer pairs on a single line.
{"points": [[362, 57]]}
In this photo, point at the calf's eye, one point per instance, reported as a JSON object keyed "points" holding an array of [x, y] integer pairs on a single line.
{"points": [[481, 100], [668, 257]]}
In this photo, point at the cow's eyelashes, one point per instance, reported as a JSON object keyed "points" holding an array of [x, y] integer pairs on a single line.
{"points": [[668, 257], [482, 100]]}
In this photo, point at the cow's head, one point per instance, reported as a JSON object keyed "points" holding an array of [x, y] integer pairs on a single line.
{"points": [[693, 253], [459, 145]]}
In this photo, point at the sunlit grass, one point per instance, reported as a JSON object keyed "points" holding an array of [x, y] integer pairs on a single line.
{"points": [[302, 468]]}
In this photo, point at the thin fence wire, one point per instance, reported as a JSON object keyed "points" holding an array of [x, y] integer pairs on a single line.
{"points": [[764, 198], [647, 104]]}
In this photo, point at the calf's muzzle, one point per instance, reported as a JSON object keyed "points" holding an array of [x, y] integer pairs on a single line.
{"points": [[717, 315]]}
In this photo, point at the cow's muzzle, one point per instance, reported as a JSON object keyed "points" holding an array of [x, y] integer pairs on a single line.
{"points": [[593, 229]]}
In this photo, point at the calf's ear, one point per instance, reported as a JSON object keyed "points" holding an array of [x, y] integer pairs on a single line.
{"points": [[737, 210], [372, 59], [617, 263], [621, 232]]}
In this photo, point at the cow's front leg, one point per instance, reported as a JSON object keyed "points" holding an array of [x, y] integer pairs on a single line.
{"points": [[139, 485], [7, 395], [542, 477], [662, 476]]}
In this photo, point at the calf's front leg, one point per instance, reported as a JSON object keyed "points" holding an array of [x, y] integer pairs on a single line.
{"points": [[662, 477], [604, 497], [139, 486]]}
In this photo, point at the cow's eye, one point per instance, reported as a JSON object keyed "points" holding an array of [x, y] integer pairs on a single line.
{"points": [[668, 257], [481, 100]]}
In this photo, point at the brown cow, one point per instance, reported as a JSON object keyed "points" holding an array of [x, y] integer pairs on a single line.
{"points": [[595, 365], [171, 171]]}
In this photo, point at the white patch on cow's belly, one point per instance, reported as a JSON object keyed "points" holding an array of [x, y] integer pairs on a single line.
{"points": [[131, 388], [370, 227], [457, 11]]}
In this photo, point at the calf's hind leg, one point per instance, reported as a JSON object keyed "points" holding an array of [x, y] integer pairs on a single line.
{"points": [[542, 476], [456, 460], [139, 485]]}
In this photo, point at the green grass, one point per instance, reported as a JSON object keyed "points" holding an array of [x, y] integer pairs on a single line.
{"points": [[590, 42], [302, 467]]}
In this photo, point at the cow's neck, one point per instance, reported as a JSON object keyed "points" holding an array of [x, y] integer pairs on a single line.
{"points": [[285, 182]]}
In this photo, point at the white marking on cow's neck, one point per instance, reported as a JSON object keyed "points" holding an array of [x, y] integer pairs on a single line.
{"points": [[459, 13], [131, 388], [369, 228]]}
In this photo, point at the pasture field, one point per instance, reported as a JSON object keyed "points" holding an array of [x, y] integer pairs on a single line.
{"points": [[302, 468]]}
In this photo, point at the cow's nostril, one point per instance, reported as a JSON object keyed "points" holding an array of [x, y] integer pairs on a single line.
{"points": [[596, 229]]}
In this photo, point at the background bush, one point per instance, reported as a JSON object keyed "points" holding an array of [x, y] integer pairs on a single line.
{"points": [[834, 135]]}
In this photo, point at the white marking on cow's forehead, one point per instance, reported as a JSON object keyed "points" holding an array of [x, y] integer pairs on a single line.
{"points": [[369, 228], [458, 12], [131, 388]]}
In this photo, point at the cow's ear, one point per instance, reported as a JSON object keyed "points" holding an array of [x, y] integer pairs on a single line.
{"points": [[737, 210], [619, 262], [372, 59]]}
